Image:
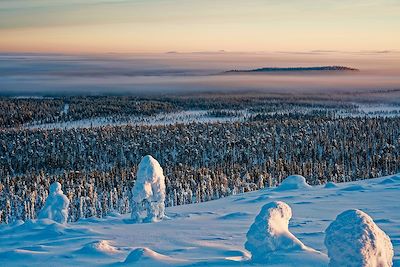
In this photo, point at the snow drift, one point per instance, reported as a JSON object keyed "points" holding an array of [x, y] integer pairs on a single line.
{"points": [[330, 185], [56, 206], [353, 239], [148, 257], [98, 248], [269, 233], [293, 182], [148, 193]]}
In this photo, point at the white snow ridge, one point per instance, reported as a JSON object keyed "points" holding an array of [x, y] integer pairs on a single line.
{"points": [[293, 182], [148, 193], [353, 239], [269, 235], [56, 206]]}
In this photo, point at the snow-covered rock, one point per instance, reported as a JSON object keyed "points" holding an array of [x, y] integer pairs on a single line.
{"points": [[56, 205], [270, 233], [293, 182], [353, 239], [148, 193]]}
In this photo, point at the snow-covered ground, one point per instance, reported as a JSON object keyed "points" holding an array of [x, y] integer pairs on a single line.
{"points": [[187, 116], [206, 234]]}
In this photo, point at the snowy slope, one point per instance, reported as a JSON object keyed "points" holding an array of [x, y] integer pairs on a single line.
{"points": [[206, 234]]}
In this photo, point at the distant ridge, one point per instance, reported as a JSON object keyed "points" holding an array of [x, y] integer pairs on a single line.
{"points": [[293, 69]]}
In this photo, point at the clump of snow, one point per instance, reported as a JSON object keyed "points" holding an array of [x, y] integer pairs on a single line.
{"points": [[56, 205], [353, 239], [270, 233], [148, 193], [293, 182], [330, 185]]}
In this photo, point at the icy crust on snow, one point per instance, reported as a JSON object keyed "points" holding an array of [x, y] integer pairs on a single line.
{"points": [[354, 240], [270, 233], [148, 193], [293, 182], [56, 205]]}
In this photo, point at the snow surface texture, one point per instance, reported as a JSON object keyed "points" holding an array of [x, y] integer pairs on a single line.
{"points": [[293, 182], [148, 193], [56, 206], [270, 233], [354, 240], [205, 234]]}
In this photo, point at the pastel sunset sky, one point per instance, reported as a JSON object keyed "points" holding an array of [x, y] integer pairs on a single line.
{"points": [[102, 26]]}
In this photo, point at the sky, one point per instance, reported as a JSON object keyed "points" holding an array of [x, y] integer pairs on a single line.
{"points": [[147, 26]]}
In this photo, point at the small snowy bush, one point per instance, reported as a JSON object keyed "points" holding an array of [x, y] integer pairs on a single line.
{"points": [[148, 193], [353, 239], [56, 205], [270, 233]]}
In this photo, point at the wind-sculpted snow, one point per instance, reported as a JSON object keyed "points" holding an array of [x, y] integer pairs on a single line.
{"points": [[354, 240], [148, 193], [293, 182], [207, 234], [56, 206]]}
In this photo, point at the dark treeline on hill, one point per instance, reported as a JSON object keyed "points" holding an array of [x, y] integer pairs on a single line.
{"points": [[295, 69], [202, 161]]}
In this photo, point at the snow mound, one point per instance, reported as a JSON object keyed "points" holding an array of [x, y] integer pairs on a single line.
{"points": [[56, 205], [102, 247], [330, 185], [148, 193], [269, 233], [148, 257], [353, 239], [293, 182]]}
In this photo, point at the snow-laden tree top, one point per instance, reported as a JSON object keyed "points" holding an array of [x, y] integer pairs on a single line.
{"points": [[56, 206], [148, 193], [354, 240], [269, 235]]}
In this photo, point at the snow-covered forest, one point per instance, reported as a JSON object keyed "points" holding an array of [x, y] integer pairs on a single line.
{"points": [[202, 160]]}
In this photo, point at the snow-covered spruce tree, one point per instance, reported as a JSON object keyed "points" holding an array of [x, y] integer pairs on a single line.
{"points": [[148, 193], [354, 240], [269, 233], [56, 205]]}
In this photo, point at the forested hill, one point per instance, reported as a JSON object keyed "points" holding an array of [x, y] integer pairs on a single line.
{"points": [[294, 69]]}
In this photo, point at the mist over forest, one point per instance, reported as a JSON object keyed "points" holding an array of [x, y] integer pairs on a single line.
{"points": [[33, 74]]}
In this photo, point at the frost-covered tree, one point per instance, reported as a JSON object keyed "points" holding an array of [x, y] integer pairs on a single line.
{"points": [[56, 205], [148, 193], [269, 232], [354, 240]]}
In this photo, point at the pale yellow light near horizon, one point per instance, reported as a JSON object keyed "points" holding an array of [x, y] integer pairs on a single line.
{"points": [[160, 25]]}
